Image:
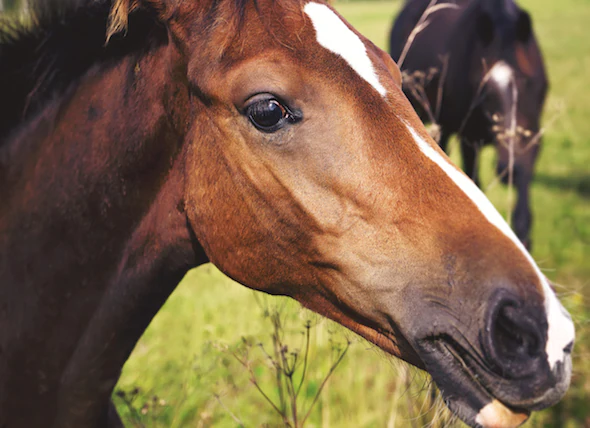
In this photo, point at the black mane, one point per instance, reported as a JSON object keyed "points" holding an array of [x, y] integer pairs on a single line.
{"points": [[39, 62]]}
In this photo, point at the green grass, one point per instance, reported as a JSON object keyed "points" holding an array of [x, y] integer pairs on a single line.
{"points": [[183, 357]]}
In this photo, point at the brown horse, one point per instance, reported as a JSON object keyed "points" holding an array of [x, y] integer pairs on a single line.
{"points": [[271, 139]]}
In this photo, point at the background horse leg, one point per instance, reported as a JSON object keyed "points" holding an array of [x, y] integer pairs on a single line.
{"points": [[470, 154], [521, 216]]}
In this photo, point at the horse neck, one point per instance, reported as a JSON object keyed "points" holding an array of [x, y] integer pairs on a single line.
{"points": [[101, 154], [93, 237], [463, 54]]}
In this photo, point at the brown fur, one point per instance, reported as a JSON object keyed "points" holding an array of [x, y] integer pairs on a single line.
{"points": [[146, 166]]}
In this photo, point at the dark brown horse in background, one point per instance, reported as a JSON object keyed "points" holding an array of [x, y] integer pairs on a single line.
{"points": [[475, 68], [271, 139]]}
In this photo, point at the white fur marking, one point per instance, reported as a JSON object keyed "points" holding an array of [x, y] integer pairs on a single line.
{"points": [[501, 73], [560, 326], [334, 35]]}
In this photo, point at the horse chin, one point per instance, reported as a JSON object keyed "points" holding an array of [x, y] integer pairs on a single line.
{"points": [[496, 414], [463, 393]]}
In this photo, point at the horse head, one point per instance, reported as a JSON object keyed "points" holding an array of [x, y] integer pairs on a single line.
{"points": [[308, 174]]}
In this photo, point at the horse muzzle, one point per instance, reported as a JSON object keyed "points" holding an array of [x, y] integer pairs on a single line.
{"points": [[499, 377]]}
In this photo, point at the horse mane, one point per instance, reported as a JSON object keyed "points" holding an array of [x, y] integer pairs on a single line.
{"points": [[63, 39]]}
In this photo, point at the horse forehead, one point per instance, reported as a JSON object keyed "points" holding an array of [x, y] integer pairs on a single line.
{"points": [[334, 35]]}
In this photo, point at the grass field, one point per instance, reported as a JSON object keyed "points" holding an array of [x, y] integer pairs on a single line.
{"points": [[182, 372]]}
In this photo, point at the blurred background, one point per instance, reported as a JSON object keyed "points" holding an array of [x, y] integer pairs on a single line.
{"points": [[218, 354]]}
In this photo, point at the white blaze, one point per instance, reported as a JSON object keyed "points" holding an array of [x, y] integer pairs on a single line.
{"points": [[333, 34], [560, 326], [501, 73]]}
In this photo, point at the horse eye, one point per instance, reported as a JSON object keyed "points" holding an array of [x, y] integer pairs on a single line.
{"points": [[268, 115]]}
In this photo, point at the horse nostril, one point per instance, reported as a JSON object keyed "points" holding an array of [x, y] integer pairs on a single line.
{"points": [[514, 336], [516, 339]]}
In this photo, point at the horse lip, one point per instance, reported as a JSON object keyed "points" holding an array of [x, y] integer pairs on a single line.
{"points": [[460, 372], [484, 376]]}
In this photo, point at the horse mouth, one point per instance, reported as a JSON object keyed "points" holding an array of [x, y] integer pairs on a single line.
{"points": [[461, 375]]}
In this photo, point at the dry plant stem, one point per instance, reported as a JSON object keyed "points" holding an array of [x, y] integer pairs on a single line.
{"points": [[497, 179], [511, 140], [267, 398], [508, 139], [476, 99], [287, 370], [532, 142], [279, 375], [286, 365], [424, 97], [416, 83], [421, 25], [511, 132], [229, 412], [537, 137], [332, 368], [245, 363], [284, 372], [423, 100], [305, 356], [288, 373]]}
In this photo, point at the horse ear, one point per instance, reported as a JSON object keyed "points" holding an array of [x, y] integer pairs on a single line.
{"points": [[485, 28], [120, 10], [523, 26], [119, 16]]}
